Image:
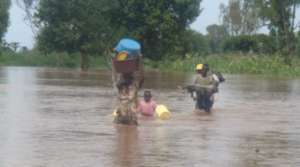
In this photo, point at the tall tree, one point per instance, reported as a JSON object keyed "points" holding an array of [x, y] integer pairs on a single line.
{"points": [[86, 25], [240, 17], [279, 15], [216, 34], [4, 17], [29, 7], [158, 24], [74, 26], [194, 43]]}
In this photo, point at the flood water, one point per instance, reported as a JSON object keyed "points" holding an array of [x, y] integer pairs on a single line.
{"points": [[62, 118]]}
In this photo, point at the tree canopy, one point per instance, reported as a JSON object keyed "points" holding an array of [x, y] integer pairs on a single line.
{"points": [[280, 17], [157, 24], [92, 26], [4, 17], [240, 17]]}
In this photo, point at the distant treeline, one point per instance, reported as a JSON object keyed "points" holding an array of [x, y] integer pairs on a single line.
{"points": [[93, 27]]}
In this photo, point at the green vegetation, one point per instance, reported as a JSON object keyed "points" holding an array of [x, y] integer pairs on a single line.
{"points": [[4, 7], [37, 59], [77, 34], [227, 63], [233, 64], [95, 26]]}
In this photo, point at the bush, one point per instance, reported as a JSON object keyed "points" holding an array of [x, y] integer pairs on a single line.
{"points": [[265, 44], [34, 58], [233, 64], [239, 43], [260, 43], [298, 44]]}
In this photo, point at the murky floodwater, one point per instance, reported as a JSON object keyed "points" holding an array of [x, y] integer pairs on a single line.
{"points": [[62, 118]]}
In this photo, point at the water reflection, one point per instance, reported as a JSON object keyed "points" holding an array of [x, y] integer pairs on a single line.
{"points": [[127, 150], [18, 113]]}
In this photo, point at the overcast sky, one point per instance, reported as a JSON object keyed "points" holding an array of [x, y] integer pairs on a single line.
{"points": [[20, 32]]}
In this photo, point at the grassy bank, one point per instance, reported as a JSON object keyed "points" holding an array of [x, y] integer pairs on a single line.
{"points": [[229, 63], [50, 60], [233, 64]]}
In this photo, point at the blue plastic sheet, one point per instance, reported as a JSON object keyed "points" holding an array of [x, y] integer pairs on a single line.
{"points": [[129, 45]]}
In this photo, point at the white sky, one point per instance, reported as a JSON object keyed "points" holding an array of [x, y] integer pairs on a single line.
{"points": [[20, 32]]}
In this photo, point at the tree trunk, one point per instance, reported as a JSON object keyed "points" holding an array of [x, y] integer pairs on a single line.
{"points": [[293, 16], [84, 63], [286, 34]]}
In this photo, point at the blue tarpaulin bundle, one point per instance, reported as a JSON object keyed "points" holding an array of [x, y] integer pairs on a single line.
{"points": [[132, 47]]}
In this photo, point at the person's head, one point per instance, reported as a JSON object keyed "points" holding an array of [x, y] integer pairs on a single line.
{"points": [[125, 81], [147, 95], [202, 69]]}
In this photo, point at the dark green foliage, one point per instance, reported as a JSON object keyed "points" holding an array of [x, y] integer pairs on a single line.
{"points": [[4, 17], [73, 26], [158, 24], [245, 43], [193, 43], [234, 63], [95, 26], [280, 16], [298, 44], [265, 44]]}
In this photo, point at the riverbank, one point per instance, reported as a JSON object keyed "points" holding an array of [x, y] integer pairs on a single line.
{"points": [[233, 64], [62, 60], [228, 63]]}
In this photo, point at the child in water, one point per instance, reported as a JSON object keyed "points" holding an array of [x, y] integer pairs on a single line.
{"points": [[147, 106]]}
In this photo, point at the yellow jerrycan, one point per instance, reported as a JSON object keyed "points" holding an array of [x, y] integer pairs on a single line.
{"points": [[115, 114], [162, 112]]}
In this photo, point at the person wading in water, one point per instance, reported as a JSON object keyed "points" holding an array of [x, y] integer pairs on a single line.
{"points": [[205, 86], [127, 102]]}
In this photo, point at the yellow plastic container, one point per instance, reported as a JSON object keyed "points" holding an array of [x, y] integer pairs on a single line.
{"points": [[122, 56], [115, 113], [162, 112]]}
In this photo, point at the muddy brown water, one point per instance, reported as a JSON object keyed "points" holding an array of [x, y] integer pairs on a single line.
{"points": [[62, 118]]}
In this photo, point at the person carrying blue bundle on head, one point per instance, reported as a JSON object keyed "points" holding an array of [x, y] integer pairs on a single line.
{"points": [[128, 76]]}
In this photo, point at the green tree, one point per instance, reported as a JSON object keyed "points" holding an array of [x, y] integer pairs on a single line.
{"points": [[4, 17], [194, 43], [280, 15], [298, 44], [158, 24], [216, 34], [240, 17], [93, 26], [260, 44], [74, 26]]}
